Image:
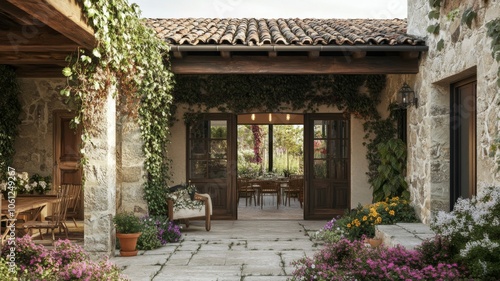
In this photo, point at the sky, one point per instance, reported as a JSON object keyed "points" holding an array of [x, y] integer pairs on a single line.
{"points": [[380, 9]]}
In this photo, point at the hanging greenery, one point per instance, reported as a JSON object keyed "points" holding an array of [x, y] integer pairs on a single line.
{"points": [[130, 62], [10, 109], [274, 93]]}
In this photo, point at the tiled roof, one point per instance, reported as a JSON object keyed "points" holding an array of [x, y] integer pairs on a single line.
{"points": [[256, 32]]}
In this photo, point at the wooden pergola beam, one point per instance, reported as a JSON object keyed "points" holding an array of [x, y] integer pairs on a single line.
{"points": [[64, 16], [17, 58], [294, 65], [34, 39], [39, 71]]}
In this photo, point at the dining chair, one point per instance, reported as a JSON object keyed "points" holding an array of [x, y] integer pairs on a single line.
{"points": [[74, 191], [269, 188], [246, 190], [58, 216], [295, 186]]}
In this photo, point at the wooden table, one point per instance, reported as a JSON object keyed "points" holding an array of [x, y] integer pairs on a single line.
{"points": [[282, 182], [10, 210]]}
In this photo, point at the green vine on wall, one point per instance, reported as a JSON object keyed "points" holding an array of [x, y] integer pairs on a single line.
{"points": [[275, 93], [130, 62], [10, 108]]}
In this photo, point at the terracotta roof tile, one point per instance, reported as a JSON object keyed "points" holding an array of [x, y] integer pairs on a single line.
{"points": [[232, 31]]}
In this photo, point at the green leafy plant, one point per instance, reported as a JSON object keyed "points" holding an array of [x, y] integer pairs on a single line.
{"points": [[149, 238], [390, 180], [433, 28], [493, 31], [468, 16], [129, 57], [127, 222], [10, 107]]}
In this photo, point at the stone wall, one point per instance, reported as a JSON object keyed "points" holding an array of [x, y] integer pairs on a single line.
{"points": [[466, 52], [34, 146], [115, 174]]}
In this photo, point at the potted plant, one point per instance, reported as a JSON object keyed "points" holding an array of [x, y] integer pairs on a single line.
{"points": [[128, 230]]}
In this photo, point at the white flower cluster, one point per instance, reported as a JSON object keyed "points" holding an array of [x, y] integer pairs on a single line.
{"points": [[485, 244], [469, 213], [470, 226]]}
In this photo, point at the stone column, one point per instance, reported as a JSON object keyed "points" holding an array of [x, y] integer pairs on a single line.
{"points": [[100, 184]]}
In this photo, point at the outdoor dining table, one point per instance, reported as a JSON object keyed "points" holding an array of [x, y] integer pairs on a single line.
{"points": [[12, 209], [283, 182]]}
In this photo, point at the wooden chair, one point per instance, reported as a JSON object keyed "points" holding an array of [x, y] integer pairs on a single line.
{"points": [[58, 217], [295, 186], [246, 190], [269, 188], [74, 191], [185, 214]]}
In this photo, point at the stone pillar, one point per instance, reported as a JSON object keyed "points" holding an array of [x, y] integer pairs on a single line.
{"points": [[100, 184], [131, 169]]}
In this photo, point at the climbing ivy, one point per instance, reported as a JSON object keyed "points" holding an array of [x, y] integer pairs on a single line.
{"points": [[130, 62], [10, 109], [275, 93]]}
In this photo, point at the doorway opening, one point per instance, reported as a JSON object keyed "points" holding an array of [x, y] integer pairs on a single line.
{"points": [[270, 166]]}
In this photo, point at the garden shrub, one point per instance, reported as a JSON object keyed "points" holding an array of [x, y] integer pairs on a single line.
{"points": [[66, 261], [352, 260], [361, 221], [157, 231], [473, 229]]}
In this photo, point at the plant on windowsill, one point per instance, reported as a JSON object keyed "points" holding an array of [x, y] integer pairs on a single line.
{"points": [[128, 230]]}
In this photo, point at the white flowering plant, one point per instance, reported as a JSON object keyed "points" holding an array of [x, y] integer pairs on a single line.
{"points": [[40, 184], [473, 228], [18, 183], [22, 183]]}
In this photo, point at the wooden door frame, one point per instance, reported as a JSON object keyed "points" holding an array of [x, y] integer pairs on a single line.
{"points": [[455, 161]]}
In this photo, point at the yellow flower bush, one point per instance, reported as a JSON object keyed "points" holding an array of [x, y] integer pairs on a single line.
{"points": [[362, 220]]}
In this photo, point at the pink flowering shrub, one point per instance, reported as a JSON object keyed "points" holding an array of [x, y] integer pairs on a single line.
{"points": [[66, 261], [352, 260]]}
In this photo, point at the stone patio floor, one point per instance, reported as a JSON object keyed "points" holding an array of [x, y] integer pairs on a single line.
{"points": [[231, 250]]}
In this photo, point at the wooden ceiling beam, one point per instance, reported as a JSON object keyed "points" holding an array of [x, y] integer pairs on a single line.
{"points": [[19, 15], [34, 39], [64, 16], [294, 65], [15, 58], [39, 71]]}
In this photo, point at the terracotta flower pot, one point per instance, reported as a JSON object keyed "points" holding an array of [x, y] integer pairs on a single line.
{"points": [[374, 242], [128, 243]]}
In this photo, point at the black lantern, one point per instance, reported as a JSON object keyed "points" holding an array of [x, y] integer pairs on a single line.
{"points": [[407, 97]]}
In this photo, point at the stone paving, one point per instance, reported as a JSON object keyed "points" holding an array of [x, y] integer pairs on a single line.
{"points": [[232, 250], [408, 235]]}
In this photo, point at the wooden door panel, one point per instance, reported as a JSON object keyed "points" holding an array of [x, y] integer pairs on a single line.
{"points": [[211, 154], [327, 165], [67, 156]]}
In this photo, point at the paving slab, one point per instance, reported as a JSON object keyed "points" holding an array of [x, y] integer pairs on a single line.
{"points": [[141, 272], [245, 250]]}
